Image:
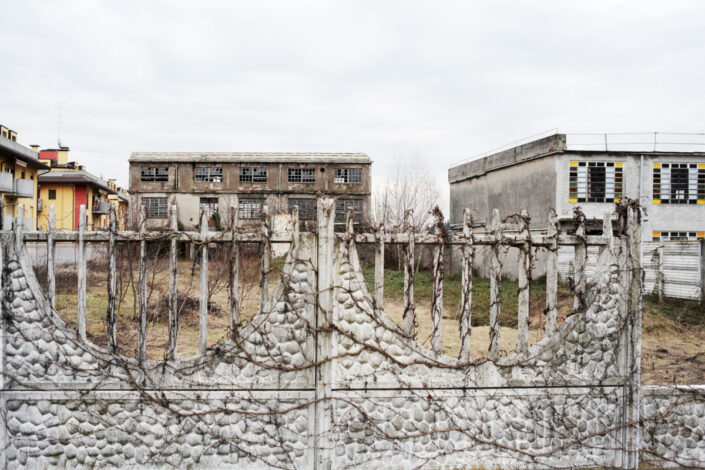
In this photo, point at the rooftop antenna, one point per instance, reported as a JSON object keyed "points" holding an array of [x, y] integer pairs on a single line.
{"points": [[59, 109]]}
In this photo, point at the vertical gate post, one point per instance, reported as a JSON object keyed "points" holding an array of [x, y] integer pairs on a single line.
{"points": [[111, 317], [552, 274], [580, 261], [3, 332], [702, 269], [634, 320], [468, 250], [203, 288], [379, 268], [173, 282], [495, 286], [142, 288], [51, 252], [409, 317], [81, 321], [325, 260]]}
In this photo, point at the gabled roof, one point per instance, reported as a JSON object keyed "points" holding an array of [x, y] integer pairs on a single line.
{"points": [[74, 177], [248, 157], [21, 152]]}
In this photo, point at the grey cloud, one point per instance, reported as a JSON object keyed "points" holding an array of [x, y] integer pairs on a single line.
{"points": [[436, 81]]}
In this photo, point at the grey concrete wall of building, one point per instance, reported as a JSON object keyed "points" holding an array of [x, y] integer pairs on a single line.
{"points": [[530, 185]]}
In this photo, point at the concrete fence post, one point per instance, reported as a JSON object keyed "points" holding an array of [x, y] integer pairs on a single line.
{"points": [[702, 270], [325, 261], [495, 286], [173, 282], [142, 288], [81, 322], [634, 312]]}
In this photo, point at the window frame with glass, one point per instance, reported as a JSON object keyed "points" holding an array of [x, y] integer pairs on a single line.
{"points": [[341, 206], [208, 174], [154, 173], [347, 175], [301, 175], [253, 174], [307, 207], [596, 182], [156, 207], [687, 188], [249, 210]]}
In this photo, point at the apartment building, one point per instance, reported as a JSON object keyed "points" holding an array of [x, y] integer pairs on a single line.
{"points": [[67, 186], [19, 168], [120, 200], [256, 183], [548, 173]]}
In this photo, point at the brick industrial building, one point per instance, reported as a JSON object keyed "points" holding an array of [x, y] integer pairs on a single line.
{"points": [[255, 182]]}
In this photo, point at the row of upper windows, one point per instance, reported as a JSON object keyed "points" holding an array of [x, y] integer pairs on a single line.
{"points": [[214, 174], [677, 236], [253, 208], [673, 183]]}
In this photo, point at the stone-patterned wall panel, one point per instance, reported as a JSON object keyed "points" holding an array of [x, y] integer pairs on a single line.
{"points": [[219, 430], [372, 351], [673, 427], [537, 428], [42, 350]]}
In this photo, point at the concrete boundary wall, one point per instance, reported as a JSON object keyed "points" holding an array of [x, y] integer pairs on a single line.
{"points": [[323, 380]]}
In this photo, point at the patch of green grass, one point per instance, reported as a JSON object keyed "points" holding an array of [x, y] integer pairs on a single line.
{"points": [[423, 290], [683, 312]]}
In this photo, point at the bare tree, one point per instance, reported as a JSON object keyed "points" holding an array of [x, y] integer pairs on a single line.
{"points": [[405, 187]]}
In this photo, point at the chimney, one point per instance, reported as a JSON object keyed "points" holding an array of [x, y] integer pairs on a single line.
{"points": [[63, 156], [34, 147]]}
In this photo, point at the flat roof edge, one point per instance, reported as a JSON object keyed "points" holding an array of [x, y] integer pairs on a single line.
{"points": [[533, 150]]}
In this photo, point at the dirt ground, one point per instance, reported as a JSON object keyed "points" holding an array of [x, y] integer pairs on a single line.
{"points": [[671, 352]]}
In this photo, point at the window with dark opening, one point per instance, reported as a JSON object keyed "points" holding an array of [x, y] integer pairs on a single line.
{"points": [[302, 175], [307, 207], [160, 173], [156, 207], [679, 183], [209, 174], [348, 175], [209, 205], [250, 208], [341, 206], [595, 182], [253, 175]]}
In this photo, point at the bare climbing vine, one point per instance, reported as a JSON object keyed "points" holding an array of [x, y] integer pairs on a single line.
{"points": [[322, 377]]}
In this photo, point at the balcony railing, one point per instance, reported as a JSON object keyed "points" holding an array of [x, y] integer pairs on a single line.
{"points": [[101, 207], [24, 188], [7, 184]]}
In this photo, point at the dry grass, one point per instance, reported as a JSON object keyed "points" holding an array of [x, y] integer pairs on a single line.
{"points": [[672, 351], [157, 328]]}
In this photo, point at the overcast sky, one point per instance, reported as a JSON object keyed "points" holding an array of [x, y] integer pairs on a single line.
{"points": [[426, 82]]}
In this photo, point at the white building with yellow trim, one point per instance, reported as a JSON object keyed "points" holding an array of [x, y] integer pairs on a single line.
{"points": [[670, 185]]}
